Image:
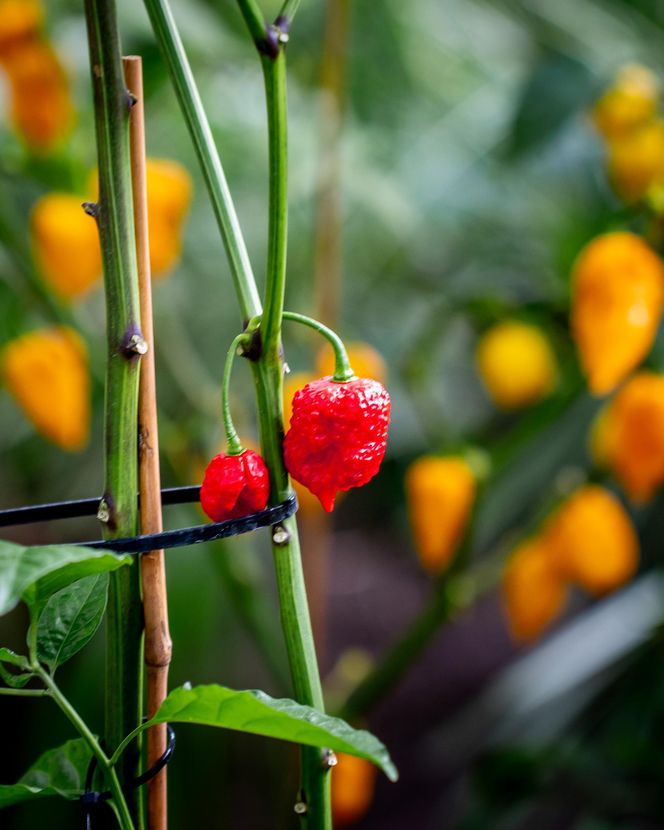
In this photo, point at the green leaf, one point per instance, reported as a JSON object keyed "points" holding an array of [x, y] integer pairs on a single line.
{"points": [[34, 574], [258, 713], [16, 681], [58, 772], [70, 619]]}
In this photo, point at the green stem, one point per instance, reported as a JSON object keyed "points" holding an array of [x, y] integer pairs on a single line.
{"points": [[120, 803], [295, 620], [288, 11], [118, 509], [234, 445], [343, 371], [24, 692], [173, 52]]}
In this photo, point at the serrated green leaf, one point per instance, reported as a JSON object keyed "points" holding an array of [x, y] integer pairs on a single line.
{"points": [[59, 772], [70, 619], [258, 713], [34, 574]]}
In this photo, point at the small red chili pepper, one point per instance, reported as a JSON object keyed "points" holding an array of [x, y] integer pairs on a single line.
{"points": [[337, 435], [235, 485]]}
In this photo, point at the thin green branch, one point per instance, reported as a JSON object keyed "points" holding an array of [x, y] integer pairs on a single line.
{"points": [[254, 20], [24, 692], [288, 11], [342, 368], [233, 443], [173, 52], [119, 801]]}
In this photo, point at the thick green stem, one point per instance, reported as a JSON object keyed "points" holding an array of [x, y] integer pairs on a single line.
{"points": [[173, 52], [119, 801], [342, 369], [118, 509]]}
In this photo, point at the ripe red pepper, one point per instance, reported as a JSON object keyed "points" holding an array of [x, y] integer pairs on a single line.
{"points": [[337, 435], [234, 486]]}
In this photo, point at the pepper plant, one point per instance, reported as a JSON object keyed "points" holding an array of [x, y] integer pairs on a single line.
{"points": [[68, 590]]}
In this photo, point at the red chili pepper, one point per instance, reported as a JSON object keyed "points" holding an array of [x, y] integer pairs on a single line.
{"points": [[235, 485], [337, 435]]}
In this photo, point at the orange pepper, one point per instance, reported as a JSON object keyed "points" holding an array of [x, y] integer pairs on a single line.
{"points": [[516, 364], [66, 244], [592, 541], [46, 371], [20, 20], [617, 296], [630, 436], [440, 492], [628, 103], [169, 195], [169, 192], [366, 361], [353, 785], [41, 108]]}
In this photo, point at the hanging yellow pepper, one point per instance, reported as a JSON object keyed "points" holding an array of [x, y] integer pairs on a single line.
{"points": [[516, 364], [440, 492], [533, 592], [628, 103], [629, 436], [592, 541], [46, 371], [617, 296], [636, 160], [66, 244], [353, 785]]}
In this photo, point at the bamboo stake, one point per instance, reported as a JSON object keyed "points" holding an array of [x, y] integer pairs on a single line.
{"points": [[158, 646]]}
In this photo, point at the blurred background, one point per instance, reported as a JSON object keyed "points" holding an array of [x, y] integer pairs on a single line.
{"points": [[446, 170]]}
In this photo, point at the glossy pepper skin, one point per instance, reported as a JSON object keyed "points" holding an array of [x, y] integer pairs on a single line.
{"points": [[534, 593], [234, 486], [337, 435], [617, 298], [628, 437], [592, 541], [440, 492]]}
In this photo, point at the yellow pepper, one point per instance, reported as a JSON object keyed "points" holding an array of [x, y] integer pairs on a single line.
{"points": [[617, 296], [533, 592], [440, 492], [516, 364], [41, 107], [169, 195], [592, 541], [353, 785], [630, 436], [46, 371], [169, 192], [365, 360], [629, 102], [636, 160], [20, 20], [66, 244]]}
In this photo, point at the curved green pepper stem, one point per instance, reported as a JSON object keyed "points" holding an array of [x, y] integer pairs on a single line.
{"points": [[233, 443], [343, 371]]}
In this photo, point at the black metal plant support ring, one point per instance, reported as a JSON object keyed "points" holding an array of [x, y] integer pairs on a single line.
{"points": [[91, 798], [156, 541]]}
